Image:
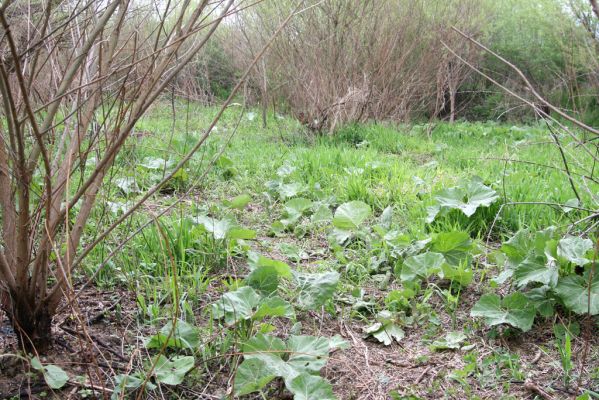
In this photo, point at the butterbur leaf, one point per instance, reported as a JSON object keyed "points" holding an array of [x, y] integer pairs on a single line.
{"points": [[241, 233], [124, 383], [387, 218], [308, 353], [184, 336], [574, 292], [452, 341], [266, 273], [237, 305], [263, 360], [264, 343], [54, 376], [340, 236], [542, 300], [575, 250], [455, 246], [322, 213], [252, 375], [385, 332], [517, 247], [467, 198], [458, 273], [127, 184], [288, 190], [570, 205], [293, 252], [265, 279], [269, 349], [515, 310], [282, 268], [310, 387], [351, 215], [274, 307], [239, 202], [536, 268], [421, 266], [218, 228], [315, 289], [277, 229], [388, 333], [172, 371], [337, 342], [298, 205]]}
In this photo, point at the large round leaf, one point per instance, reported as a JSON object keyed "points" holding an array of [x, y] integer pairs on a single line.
{"points": [[351, 215]]}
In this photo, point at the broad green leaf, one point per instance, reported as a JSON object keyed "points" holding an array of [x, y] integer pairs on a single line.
{"points": [[452, 340], [54, 376], [340, 236], [282, 268], [184, 336], [251, 376], [351, 215], [261, 343], [570, 205], [265, 279], [308, 353], [387, 218], [237, 305], [542, 300], [385, 329], [131, 382], [285, 170], [515, 310], [274, 307], [310, 387], [241, 233], [239, 202], [517, 248], [127, 184], [574, 292], [288, 190], [459, 273], [576, 250], [156, 163], [269, 349], [337, 342], [535, 268], [293, 252], [421, 266], [467, 197], [315, 289], [388, 333], [277, 229], [455, 246], [298, 205], [322, 213], [218, 228], [172, 371]]}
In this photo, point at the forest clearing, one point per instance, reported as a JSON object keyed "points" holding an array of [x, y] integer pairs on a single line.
{"points": [[299, 200]]}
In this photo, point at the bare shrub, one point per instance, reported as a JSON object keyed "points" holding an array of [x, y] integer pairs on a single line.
{"points": [[75, 77], [349, 61]]}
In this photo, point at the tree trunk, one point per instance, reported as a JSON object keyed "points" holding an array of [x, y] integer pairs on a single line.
{"points": [[264, 95], [452, 94], [33, 328]]}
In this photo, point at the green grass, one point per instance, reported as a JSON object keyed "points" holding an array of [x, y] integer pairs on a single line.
{"points": [[382, 165], [386, 166]]}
